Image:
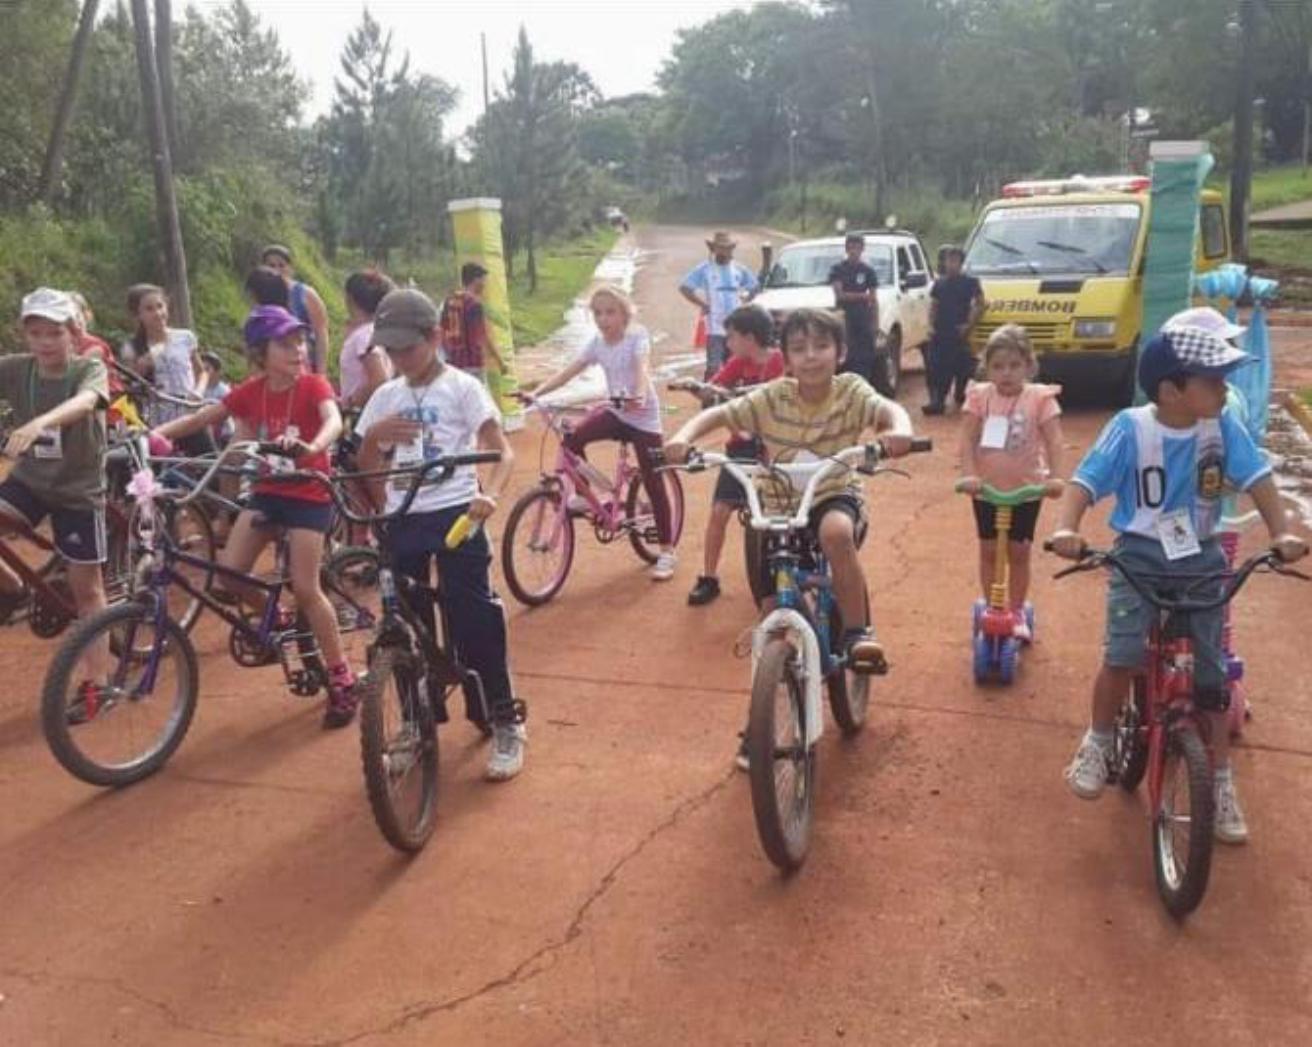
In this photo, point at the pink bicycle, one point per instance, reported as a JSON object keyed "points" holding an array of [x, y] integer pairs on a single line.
{"points": [[537, 549]]}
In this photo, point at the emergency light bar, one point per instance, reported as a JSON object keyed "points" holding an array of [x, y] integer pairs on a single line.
{"points": [[1077, 184]]}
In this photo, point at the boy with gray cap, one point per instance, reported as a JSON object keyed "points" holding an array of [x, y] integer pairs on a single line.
{"points": [[1168, 463], [429, 410]]}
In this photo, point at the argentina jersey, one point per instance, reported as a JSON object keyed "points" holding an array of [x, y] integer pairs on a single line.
{"points": [[1153, 470]]}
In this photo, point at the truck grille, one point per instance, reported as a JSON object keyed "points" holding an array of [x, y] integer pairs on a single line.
{"points": [[1043, 334]]}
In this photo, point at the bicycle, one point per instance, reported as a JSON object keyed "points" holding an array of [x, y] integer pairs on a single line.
{"points": [[1159, 731], [412, 671], [995, 649], [537, 548], [796, 649], [152, 686]]}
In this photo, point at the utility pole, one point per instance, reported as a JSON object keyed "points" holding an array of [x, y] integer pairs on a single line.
{"points": [[166, 203], [1241, 171], [54, 161], [482, 37], [164, 64]]}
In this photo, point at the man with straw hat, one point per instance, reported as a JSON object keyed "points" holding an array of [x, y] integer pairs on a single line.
{"points": [[717, 287]]}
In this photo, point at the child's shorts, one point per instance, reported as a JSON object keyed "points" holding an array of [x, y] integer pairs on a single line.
{"points": [[727, 487], [846, 504], [1130, 616], [1024, 518], [292, 514], [79, 533]]}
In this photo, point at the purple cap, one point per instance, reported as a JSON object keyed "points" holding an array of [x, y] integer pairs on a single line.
{"points": [[267, 322]]}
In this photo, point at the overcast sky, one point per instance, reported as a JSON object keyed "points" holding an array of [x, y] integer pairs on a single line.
{"points": [[622, 43]]}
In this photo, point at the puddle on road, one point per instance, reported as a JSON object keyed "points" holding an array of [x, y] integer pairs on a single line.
{"points": [[620, 268], [1291, 457]]}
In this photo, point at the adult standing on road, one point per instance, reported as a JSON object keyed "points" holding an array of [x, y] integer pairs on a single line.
{"points": [[304, 303], [956, 302], [717, 287], [854, 284]]}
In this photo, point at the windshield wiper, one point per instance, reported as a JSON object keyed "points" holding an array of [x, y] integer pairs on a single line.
{"points": [[1072, 249], [1001, 246]]}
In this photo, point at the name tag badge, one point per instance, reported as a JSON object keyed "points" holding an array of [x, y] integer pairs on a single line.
{"points": [[51, 445], [1175, 530], [994, 434], [405, 455]]}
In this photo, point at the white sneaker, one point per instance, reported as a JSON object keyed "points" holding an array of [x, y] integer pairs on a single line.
{"points": [[663, 569], [507, 759], [1087, 773], [1230, 824]]}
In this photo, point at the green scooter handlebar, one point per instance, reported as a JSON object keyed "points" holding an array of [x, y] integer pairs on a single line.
{"points": [[1013, 498]]}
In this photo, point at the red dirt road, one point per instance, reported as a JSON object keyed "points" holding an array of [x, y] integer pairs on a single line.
{"points": [[615, 893]]}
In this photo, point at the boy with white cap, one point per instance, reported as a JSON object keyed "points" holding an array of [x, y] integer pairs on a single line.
{"points": [[1168, 463], [57, 403]]}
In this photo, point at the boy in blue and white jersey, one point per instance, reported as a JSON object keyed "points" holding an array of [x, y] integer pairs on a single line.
{"points": [[1168, 463]]}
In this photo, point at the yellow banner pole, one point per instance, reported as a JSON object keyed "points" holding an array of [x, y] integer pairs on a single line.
{"points": [[477, 225]]}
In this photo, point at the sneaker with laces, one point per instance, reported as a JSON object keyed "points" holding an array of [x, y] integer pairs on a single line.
{"points": [[1230, 824], [663, 569], [342, 700], [507, 757], [1087, 773], [706, 590]]}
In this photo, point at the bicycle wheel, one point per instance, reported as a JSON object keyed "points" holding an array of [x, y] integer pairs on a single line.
{"points": [[1129, 740], [849, 692], [126, 730], [642, 524], [398, 747], [538, 546], [781, 765], [1183, 823], [349, 579]]}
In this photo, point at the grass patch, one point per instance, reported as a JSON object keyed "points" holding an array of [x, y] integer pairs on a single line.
{"points": [[564, 270], [1272, 186]]}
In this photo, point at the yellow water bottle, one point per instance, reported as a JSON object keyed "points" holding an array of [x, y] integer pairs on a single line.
{"points": [[462, 530]]}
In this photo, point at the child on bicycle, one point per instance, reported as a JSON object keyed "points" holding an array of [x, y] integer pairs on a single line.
{"points": [[429, 410], [57, 403], [288, 405], [1168, 463], [748, 331], [814, 413], [1010, 437], [623, 351]]}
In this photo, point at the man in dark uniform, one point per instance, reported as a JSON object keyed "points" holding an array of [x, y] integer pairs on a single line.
{"points": [[956, 302], [854, 285]]}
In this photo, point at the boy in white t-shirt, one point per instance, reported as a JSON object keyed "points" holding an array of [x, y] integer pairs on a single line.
{"points": [[428, 411]]}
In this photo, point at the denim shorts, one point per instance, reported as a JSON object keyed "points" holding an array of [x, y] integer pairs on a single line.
{"points": [[1130, 616]]}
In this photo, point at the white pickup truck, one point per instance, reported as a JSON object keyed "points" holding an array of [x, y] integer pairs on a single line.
{"points": [[798, 278]]}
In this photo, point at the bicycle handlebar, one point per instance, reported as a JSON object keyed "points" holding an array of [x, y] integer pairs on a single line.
{"points": [[147, 388], [865, 458], [1094, 559]]}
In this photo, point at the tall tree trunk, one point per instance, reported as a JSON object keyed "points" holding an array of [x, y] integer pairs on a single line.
{"points": [[164, 64], [52, 168], [166, 203]]}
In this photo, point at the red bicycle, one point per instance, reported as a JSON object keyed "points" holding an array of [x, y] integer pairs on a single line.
{"points": [[1159, 731]]}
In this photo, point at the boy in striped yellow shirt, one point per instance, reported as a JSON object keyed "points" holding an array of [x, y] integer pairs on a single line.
{"points": [[812, 414]]}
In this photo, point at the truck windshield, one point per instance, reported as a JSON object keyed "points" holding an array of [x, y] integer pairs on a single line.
{"points": [[808, 265], [1055, 239]]}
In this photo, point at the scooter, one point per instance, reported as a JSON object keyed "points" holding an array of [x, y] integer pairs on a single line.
{"points": [[993, 622]]}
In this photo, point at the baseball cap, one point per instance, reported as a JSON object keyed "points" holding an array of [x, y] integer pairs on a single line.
{"points": [[1208, 319], [267, 322], [1187, 350], [403, 318], [49, 304]]}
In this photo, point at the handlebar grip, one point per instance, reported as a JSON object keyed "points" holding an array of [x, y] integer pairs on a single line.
{"points": [[921, 444], [274, 448]]}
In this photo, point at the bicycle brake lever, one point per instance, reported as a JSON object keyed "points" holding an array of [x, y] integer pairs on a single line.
{"points": [[879, 470]]}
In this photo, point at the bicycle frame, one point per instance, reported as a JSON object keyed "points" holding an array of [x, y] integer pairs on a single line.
{"points": [[607, 516]]}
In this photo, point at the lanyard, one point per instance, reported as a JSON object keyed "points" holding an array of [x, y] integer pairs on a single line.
{"points": [[32, 385], [264, 414]]}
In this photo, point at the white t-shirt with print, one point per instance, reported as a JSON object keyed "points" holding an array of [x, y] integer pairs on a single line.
{"points": [[451, 408], [174, 372], [622, 364]]}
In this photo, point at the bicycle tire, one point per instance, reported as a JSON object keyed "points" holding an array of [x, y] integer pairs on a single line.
{"points": [[753, 555], [63, 742], [201, 544], [349, 578], [393, 669], [1129, 741], [1182, 889], [643, 538], [785, 834], [550, 502], [849, 692]]}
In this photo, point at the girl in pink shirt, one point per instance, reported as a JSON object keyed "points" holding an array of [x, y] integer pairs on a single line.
{"points": [[1010, 437]]}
